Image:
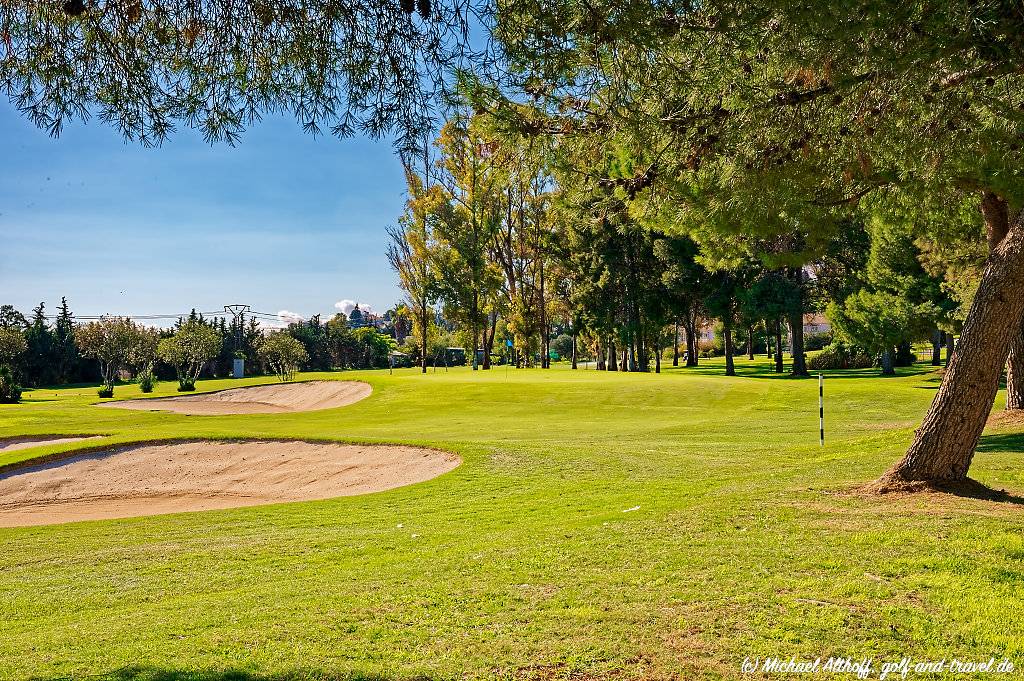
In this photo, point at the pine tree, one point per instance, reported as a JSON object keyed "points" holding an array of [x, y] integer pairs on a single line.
{"points": [[39, 359], [65, 352]]}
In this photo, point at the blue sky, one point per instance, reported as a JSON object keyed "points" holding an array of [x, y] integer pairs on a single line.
{"points": [[283, 221]]}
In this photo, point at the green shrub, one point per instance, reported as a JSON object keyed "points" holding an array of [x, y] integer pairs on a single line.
{"points": [[188, 350], [283, 354], [10, 393], [146, 380], [562, 345], [709, 348], [817, 341], [372, 348], [904, 356], [105, 391], [838, 355]]}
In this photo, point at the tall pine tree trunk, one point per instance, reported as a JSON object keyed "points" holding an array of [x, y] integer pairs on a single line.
{"points": [[643, 358], [613, 357], [425, 326], [779, 367], [489, 339], [949, 348], [944, 444], [936, 348], [675, 345], [796, 329], [574, 348], [475, 313], [730, 367], [476, 337], [887, 369], [796, 325], [1015, 373], [750, 342], [691, 341], [545, 350]]}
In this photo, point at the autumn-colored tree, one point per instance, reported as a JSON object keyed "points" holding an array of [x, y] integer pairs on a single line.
{"points": [[409, 253]]}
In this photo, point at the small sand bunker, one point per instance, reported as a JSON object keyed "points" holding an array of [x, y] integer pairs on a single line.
{"points": [[258, 399], [197, 476], [29, 441]]}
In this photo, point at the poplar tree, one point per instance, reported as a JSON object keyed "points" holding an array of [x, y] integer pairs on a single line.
{"points": [[409, 253], [469, 281]]}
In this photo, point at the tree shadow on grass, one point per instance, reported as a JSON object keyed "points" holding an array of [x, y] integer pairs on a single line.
{"points": [[36, 399], [1002, 442], [149, 673], [972, 489], [73, 386], [763, 370]]}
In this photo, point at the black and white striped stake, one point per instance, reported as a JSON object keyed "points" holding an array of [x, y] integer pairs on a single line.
{"points": [[821, 409]]}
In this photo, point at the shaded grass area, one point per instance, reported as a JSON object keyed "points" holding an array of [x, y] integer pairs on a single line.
{"points": [[602, 525]]}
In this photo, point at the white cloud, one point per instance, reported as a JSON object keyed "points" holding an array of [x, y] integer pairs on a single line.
{"points": [[290, 317], [346, 306]]}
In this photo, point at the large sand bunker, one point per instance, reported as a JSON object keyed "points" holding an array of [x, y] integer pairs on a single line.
{"points": [[27, 442], [201, 475], [258, 399]]}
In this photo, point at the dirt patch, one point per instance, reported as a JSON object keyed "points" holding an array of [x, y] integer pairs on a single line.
{"points": [[968, 487], [258, 399], [201, 475], [29, 441], [999, 420]]}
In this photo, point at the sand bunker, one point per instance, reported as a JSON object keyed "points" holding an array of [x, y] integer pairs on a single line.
{"points": [[258, 399], [29, 441], [196, 476]]}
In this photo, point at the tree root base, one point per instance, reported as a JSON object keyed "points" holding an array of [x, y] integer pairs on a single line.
{"points": [[967, 487]]}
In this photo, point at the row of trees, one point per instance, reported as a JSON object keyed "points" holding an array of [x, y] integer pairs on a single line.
{"points": [[113, 348], [335, 344], [37, 351], [474, 238], [54, 353], [509, 242]]}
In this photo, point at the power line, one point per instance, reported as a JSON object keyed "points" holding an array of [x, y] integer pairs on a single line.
{"points": [[181, 315], [137, 316]]}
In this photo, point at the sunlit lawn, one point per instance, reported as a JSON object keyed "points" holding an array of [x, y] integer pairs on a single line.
{"points": [[601, 525]]}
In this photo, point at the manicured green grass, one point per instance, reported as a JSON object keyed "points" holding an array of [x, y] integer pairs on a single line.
{"points": [[529, 560]]}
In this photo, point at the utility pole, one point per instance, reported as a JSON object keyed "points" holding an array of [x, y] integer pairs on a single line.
{"points": [[237, 312]]}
